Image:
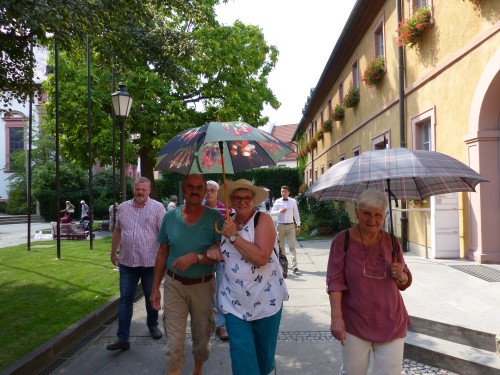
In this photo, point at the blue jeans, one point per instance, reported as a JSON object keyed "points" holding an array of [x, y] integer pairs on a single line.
{"points": [[129, 278], [220, 321]]}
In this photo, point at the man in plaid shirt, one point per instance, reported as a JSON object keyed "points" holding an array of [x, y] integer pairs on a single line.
{"points": [[137, 225]]}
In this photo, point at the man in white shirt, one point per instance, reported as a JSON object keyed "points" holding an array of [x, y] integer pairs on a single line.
{"points": [[287, 210]]}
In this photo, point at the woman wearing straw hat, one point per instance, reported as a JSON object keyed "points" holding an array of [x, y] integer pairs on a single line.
{"points": [[253, 288]]}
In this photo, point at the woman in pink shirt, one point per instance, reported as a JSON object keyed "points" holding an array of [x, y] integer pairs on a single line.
{"points": [[364, 283]]}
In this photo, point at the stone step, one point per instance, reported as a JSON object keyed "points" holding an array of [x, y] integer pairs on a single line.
{"points": [[455, 357], [461, 335]]}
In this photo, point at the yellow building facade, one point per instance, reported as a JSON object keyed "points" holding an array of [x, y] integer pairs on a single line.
{"points": [[441, 94]]}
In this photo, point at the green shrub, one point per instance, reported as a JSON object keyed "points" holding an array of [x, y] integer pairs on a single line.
{"points": [[315, 214], [324, 223], [344, 222]]}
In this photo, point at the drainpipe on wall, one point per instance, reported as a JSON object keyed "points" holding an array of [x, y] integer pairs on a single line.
{"points": [[402, 128]]}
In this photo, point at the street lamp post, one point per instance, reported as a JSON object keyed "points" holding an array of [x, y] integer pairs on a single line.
{"points": [[121, 105]]}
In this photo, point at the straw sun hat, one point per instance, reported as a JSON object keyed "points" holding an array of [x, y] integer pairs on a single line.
{"points": [[259, 193]]}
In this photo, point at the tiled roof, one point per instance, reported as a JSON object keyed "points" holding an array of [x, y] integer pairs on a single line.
{"points": [[285, 133]]}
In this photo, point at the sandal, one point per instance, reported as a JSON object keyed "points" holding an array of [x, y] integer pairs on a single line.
{"points": [[222, 333]]}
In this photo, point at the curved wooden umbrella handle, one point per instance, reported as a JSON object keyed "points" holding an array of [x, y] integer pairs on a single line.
{"points": [[216, 227]]}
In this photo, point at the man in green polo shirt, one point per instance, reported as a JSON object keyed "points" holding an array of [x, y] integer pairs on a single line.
{"points": [[189, 287]]}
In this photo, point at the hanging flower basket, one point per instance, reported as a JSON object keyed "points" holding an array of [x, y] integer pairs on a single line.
{"points": [[411, 30], [351, 98], [313, 143], [374, 72], [338, 112]]}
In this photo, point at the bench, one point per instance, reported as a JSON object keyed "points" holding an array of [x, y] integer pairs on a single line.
{"points": [[70, 231]]}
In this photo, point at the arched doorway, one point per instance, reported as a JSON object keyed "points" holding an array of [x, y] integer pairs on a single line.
{"points": [[484, 156]]}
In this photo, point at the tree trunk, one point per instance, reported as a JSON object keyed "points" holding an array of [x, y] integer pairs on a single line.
{"points": [[147, 169]]}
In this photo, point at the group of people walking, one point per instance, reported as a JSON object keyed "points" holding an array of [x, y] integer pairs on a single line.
{"points": [[222, 270]]}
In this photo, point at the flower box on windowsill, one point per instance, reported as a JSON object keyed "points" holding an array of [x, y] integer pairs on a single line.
{"points": [[338, 113], [351, 98], [411, 30], [374, 72], [319, 134], [327, 125]]}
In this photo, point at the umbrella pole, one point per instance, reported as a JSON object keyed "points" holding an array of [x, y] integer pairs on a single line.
{"points": [[393, 239], [221, 144]]}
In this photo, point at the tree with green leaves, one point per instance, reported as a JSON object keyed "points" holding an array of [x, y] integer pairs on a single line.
{"points": [[224, 75], [124, 30]]}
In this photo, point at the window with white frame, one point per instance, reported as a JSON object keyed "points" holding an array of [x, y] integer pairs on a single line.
{"points": [[342, 157], [355, 151], [423, 130], [330, 163], [322, 168]]}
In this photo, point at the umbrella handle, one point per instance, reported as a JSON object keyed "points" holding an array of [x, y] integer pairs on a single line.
{"points": [[216, 227]]}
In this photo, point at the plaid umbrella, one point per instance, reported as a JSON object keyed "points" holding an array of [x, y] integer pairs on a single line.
{"points": [[403, 173], [220, 147], [408, 174]]}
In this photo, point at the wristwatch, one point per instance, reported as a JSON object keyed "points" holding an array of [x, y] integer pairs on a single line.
{"points": [[233, 238], [200, 258]]}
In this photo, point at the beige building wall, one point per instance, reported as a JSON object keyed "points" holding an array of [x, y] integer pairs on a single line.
{"points": [[450, 78]]}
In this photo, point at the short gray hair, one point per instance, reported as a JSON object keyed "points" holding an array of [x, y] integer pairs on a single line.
{"points": [[213, 183], [142, 180], [372, 199]]}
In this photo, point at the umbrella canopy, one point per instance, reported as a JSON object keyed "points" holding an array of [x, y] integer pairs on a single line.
{"points": [[220, 147], [403, 173], [407, 174], [200, 150]]}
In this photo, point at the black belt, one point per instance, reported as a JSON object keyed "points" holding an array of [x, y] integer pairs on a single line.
{"points": [[190, 280], [286, 223]]}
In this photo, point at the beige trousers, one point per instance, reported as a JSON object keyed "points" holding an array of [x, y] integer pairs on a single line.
{"points": [[181, 301], [287, 232]]}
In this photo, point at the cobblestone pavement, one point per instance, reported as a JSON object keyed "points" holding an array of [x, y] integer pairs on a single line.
{"points": [[414, 368]]}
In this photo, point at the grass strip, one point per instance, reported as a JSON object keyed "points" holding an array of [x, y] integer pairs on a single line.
{"points": [[41, 295]]}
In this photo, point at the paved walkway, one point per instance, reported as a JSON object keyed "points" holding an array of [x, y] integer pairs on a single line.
{"points": [[16, 234], [439, 292]]}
